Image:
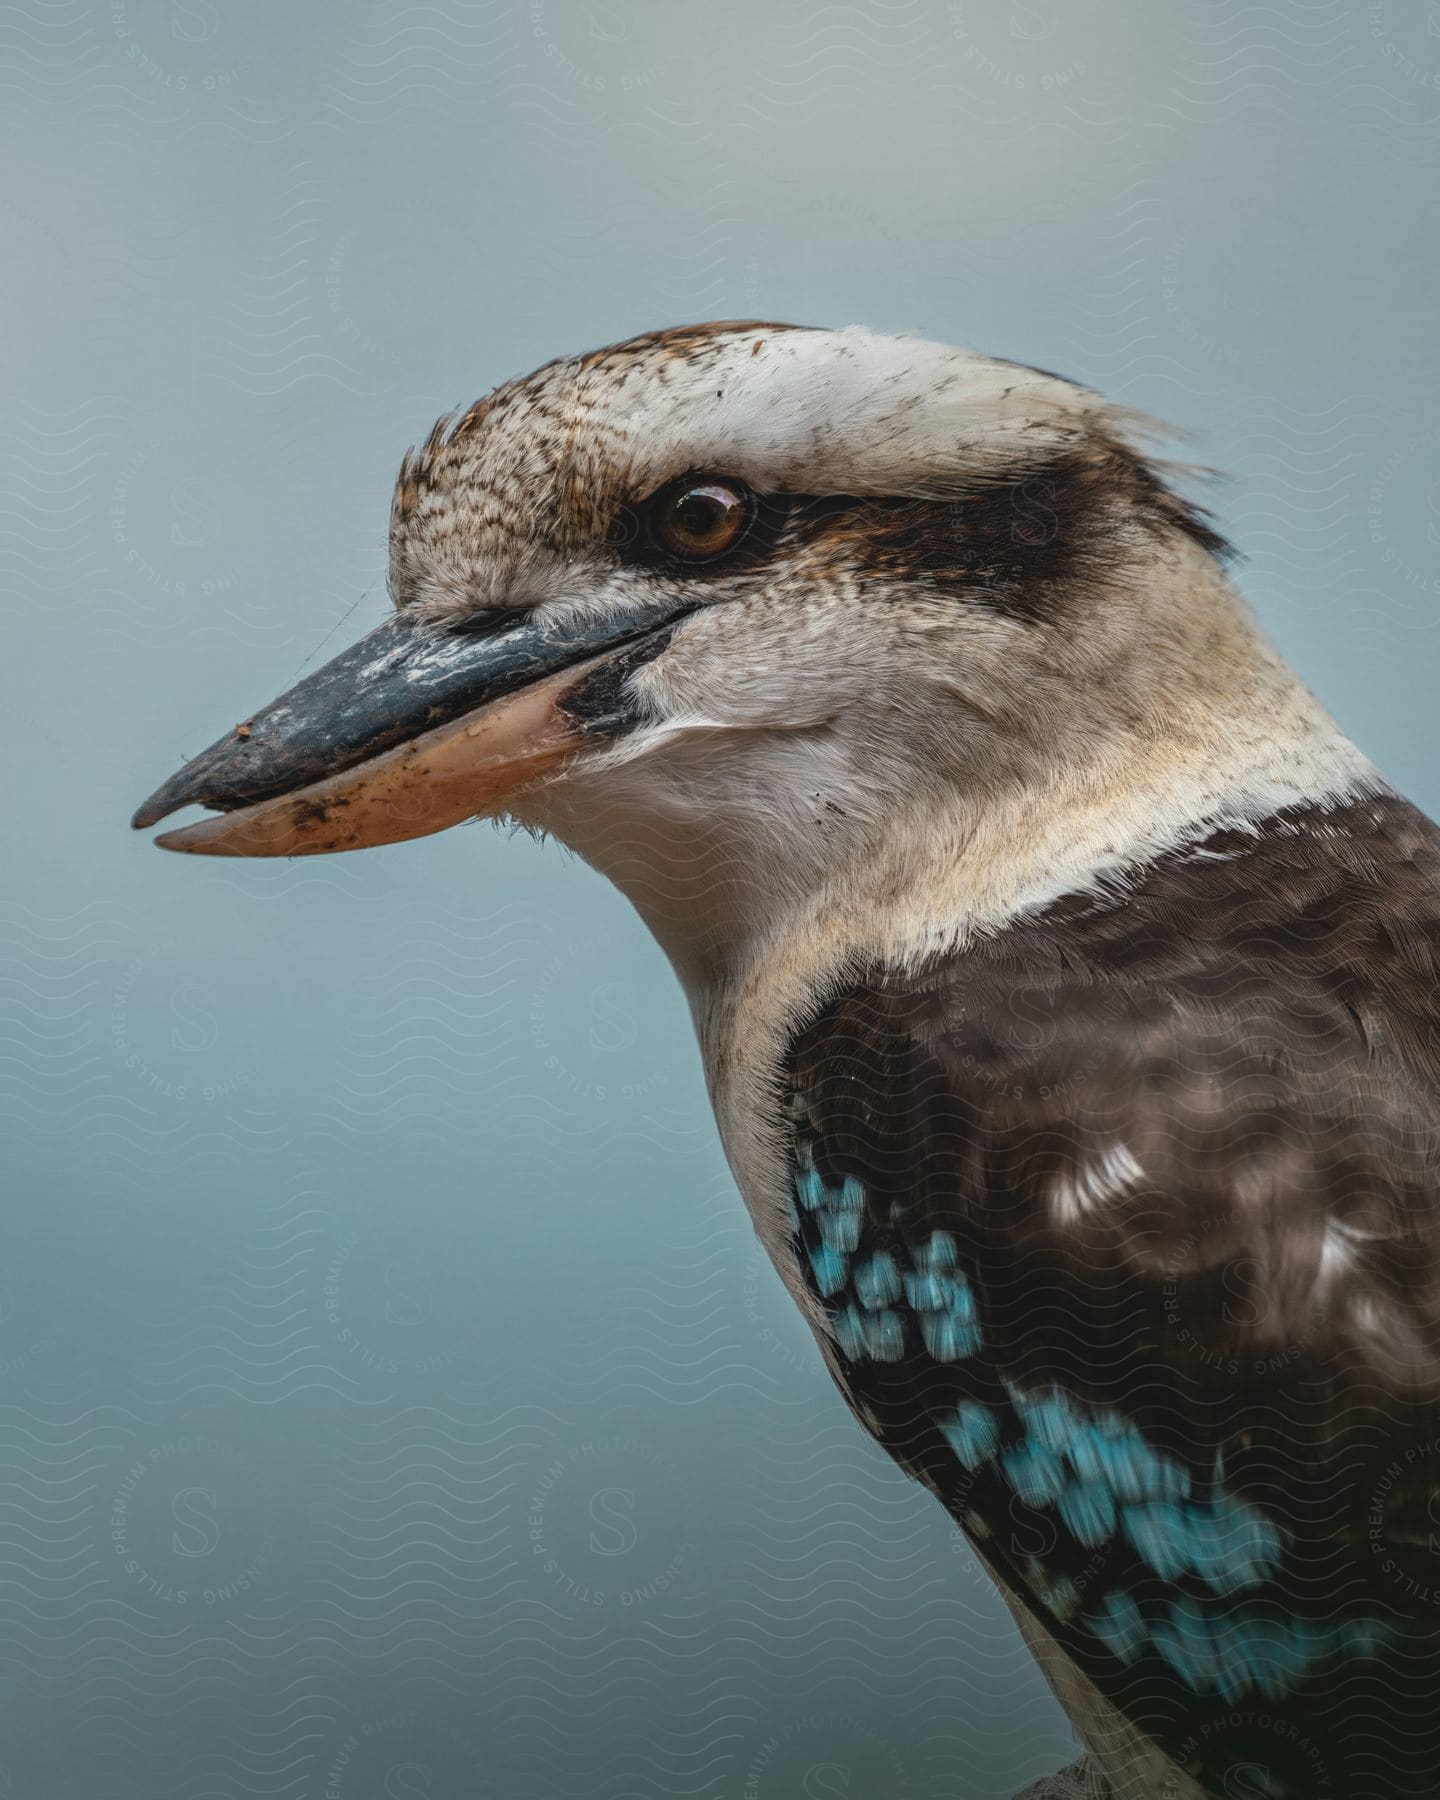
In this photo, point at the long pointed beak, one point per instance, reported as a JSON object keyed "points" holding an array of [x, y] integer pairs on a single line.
{"points": [[409, 731]]}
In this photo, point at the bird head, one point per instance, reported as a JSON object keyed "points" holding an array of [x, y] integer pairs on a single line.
{"points": [[731, 607]]}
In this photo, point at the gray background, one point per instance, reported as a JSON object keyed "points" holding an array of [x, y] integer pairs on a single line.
{"points": [[393, 1400]]}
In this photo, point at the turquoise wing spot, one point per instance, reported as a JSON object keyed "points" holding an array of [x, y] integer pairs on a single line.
{"points": [[943, 1301], [849, 1196], [947, 1338], [1233, 1546], [1104, 1478], [1186, 1640], [885, 1335], [887, 1289], [1242, 1650], [840, 1230], [850, 1333], [1106, 1451], [1101, 1475], [1087, 1510], [1250, 1652], [928, 1293], [809, 1189], [1120, 1626], [1281, 1651], [938, 1252], [879, 1336], [877, 1281], [1105, 1473], [830, 1269], [877, 1297], [1228, 1544], [1157, 1531], [1036, 1474], [973, 1433], [1050, 1419]]}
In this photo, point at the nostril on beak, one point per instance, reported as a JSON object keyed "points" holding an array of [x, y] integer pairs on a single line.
{"points": [[484, 621]]}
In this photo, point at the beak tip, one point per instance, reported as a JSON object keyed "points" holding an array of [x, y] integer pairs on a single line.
{"points": [[167, 798], [172, 840], [205, 837]]}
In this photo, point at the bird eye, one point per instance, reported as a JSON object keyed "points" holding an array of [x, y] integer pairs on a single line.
{"points": [[700, 518]]}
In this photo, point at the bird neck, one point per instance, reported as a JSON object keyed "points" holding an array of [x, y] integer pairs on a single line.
{"points": [[773, 867], [748, 854]]}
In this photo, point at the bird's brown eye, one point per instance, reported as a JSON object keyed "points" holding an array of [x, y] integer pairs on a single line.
{"points": [[700, 518]]}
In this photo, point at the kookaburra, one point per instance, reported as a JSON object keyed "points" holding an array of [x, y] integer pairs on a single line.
{"points": [[1068, 985]]}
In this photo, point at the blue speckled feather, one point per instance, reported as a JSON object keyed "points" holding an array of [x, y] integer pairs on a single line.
{"points": [[1216, 1498]]}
